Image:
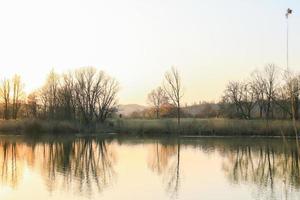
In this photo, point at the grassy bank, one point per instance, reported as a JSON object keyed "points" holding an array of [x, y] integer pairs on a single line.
{"points": [[35, 127], [206, 127], [201, 127]]}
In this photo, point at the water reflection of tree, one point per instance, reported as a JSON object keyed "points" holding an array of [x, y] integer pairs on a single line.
{"points": [[270, 167], [264, 167], [11, 164], [164, 159], [159, 156], [87, 163], [82, 164]]}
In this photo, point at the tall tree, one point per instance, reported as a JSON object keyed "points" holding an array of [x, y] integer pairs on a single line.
{"points": [[270, 88], [259, 88], [67, 100], [85, 94], [5, 94], [87, 89], [106, 102], [18, 93], [248, 98], [49, 94], [32, 105], [173, 88], [294, 90]]}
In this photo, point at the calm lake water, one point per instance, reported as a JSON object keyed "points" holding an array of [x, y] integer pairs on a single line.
{"points": [[95, 168]]}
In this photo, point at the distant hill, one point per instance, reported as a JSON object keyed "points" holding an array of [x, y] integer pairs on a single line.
{"points": [[201, 109], [130, 108]]}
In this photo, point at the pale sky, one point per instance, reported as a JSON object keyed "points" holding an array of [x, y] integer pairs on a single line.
{"points": [[136, 41]]}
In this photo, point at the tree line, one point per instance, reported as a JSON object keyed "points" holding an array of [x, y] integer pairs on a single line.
{"points": [[269, 93], [85, 95], [89, 95]]}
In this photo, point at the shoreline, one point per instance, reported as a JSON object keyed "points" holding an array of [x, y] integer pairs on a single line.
{"points": [[151, 136], [189, 128]]}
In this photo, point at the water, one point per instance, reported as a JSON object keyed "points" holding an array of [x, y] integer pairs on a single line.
{"points": [[95, 168]]}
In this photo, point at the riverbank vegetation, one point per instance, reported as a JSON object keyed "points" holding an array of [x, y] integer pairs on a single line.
{"points": [[160, 127], [85, 101], [85, 96], [206, 127]]}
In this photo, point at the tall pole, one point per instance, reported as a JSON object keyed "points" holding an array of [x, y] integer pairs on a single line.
{"points": [[288, 12], [293, 97], [287, 43]]}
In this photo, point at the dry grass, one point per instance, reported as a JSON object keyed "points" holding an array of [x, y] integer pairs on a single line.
{"points": [[206, 127], [35, 127], [222, 127]]}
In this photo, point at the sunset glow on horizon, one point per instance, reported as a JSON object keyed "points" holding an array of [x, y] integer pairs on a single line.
{"points": [[136, 42]]}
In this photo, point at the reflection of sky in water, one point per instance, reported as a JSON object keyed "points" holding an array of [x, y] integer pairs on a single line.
{"points": [[148, 169]]}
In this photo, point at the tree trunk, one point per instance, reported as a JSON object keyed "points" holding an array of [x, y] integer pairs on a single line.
{"points": [[260, 111], [178, 116], [296, 108]]}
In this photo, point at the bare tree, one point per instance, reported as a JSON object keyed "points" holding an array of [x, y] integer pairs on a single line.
{"points": [[5, 94], [18, 93], [264, 92], [173, 88], [283, 101], [242, 95], [49, 94], [248, 98], [87, 89], [86, 94], [259, 88], [293, 84], [106, 102], [67, 100], [157, 98], [32, 105], [270, 87]]}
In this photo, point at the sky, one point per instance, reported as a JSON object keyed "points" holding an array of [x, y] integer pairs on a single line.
{"points": [[137, 41]]}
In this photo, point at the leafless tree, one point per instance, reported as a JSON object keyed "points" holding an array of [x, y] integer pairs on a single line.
{"points": [[265, 92], [242, 95], [86, 95], [67, 100], [293, 86], [270, 79], [106, 102], [49, 94], [259, 88], [32, 105], [18, 93], [283, 101], [87, 89], [157, 98], [173, 88], [232, 95], [5, 94], [248, 98]]}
